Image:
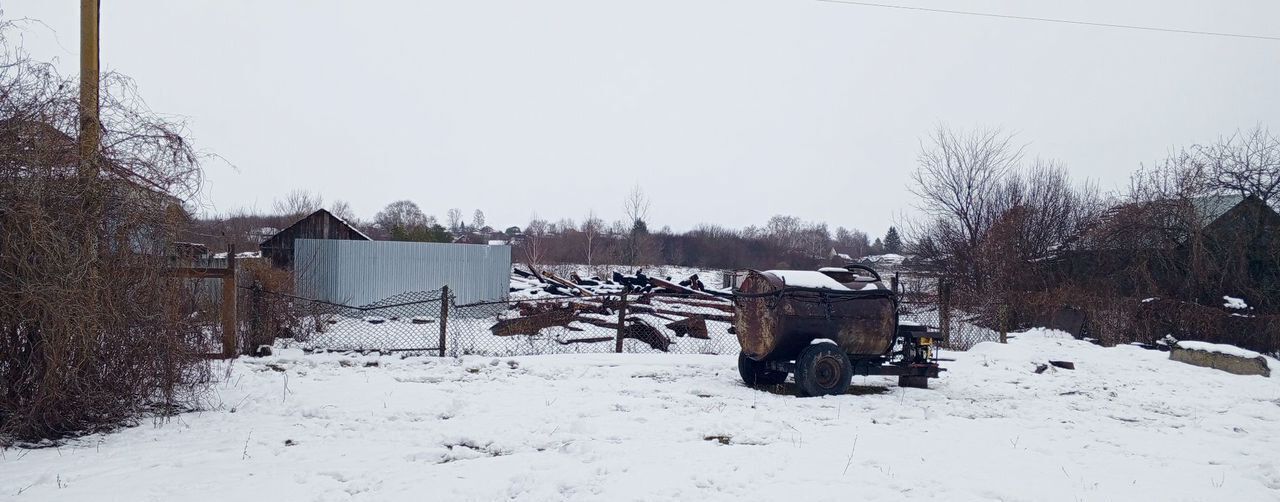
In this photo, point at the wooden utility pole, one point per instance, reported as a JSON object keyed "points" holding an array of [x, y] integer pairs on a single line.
{"points": [[90, 127]]}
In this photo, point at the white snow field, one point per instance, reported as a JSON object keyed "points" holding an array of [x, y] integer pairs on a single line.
{"points": [[1126, 424]]}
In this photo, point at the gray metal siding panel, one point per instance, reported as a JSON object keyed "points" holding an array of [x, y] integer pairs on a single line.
{"points": [[363, 272]]}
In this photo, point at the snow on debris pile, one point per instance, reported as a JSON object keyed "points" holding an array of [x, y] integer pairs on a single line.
{"points": [[1234, 303], [1219, 348], [885, 260], [808, 279], [1228, 358]]}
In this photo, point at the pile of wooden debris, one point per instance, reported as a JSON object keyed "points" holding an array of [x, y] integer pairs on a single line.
{"points": [[651, 310]]}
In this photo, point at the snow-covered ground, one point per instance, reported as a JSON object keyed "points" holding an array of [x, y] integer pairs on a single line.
{"points": [[1126, 424]]}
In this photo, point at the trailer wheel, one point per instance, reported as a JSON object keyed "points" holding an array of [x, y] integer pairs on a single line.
{"points": [[823, 369], [754, 373]]}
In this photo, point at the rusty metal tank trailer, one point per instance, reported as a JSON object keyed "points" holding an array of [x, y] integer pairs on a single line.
{"points": [[825, 327]]}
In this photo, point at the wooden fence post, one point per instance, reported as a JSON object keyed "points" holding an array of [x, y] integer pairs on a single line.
{"points": [[229, 305], [444, 317], [1003, 314], [944, 310], [257, 329], [622, 319]]}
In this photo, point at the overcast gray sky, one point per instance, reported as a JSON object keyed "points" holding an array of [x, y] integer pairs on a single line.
{"points": [[724, 111]]}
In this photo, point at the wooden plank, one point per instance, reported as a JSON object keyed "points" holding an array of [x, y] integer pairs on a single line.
{"points": [[551, 276], [671, 286]]}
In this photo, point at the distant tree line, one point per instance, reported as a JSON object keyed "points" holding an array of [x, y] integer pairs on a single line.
{"points": [[782, 241]]}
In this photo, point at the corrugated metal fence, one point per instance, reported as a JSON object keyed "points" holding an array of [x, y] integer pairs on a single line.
{"points": [[366, 272]]}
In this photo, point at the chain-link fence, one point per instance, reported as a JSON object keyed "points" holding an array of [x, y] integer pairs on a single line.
{"points": [[926, 299], [408, 322], [431, 323], [682, 324]]}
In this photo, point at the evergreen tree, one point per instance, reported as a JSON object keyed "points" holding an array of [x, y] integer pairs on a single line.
{"points": [[892, 241], [877, 247]]}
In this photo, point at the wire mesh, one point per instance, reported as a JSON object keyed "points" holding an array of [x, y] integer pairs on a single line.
{"points": [[644, 323], [678, 324], [408, 322], [926, 299]]}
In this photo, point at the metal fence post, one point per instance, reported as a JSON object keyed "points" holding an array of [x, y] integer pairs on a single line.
{"points": [[444, 317], [622, 319]]}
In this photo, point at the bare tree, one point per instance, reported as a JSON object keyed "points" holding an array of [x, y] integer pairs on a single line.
{"points": [[1247, 163], [854, 242], [298, 203], [1050, 210], [636, 206], [477, 220], [454, 219], [591, 228], [959, 174], [958, 181], [798, 237], [534, 245], [342, 209], [403, 215], [783, 229]]}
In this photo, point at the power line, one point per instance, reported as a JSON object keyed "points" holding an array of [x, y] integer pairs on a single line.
{"points": [[1052, 20]]}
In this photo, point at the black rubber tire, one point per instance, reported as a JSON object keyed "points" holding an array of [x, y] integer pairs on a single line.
{"points": [[823, 370], [754, 373]]}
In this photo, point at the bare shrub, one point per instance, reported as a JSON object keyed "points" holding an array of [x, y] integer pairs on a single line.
{"points": [[93, 332], [269, 316], [991, 220]]}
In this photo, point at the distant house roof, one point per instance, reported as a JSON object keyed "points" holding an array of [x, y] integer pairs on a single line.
{"points": [[1163, 223], [1211, 207], [292, 228], [348, 224], [470, 238], [321, 224], [55, 149]]}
